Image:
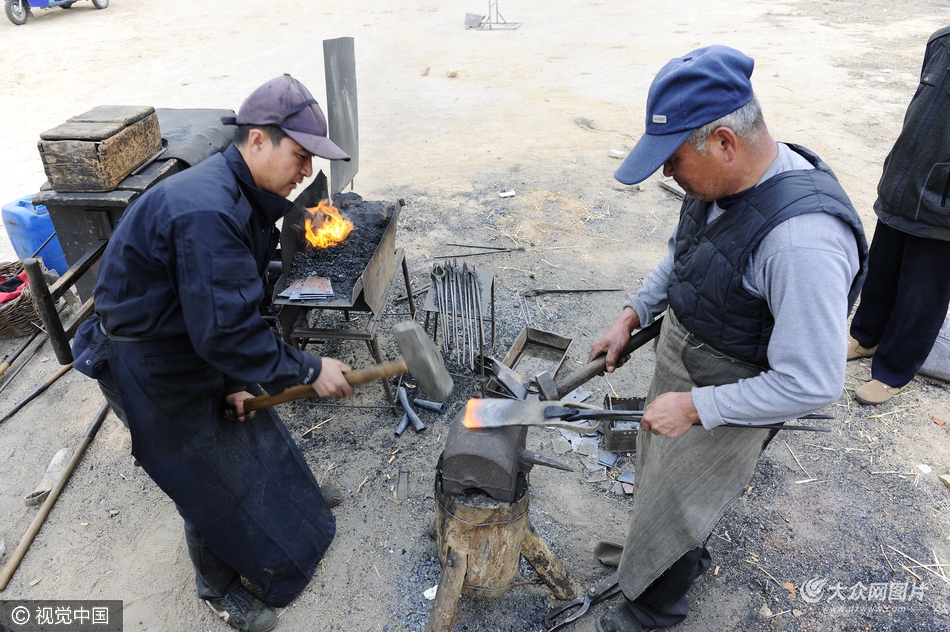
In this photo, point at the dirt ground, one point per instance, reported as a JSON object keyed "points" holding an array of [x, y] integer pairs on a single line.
{"points": [[537, 111]]}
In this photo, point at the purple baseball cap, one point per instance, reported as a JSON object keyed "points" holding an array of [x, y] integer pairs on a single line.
{"points": [[287, 103], [687, 93]]}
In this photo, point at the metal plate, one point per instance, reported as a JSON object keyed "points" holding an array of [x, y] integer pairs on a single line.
{"points": [[339, 61]]}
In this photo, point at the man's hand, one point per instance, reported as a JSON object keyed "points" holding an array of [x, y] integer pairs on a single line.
{"points": [[331, 382], [234, 406], [616, 338], [670, 414]]}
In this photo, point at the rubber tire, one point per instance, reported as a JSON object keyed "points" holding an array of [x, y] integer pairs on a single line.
{"points": [[100, 4], [17, 18]]}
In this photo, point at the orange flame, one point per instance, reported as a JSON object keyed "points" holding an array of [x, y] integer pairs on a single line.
{"points": [[332, 231]]}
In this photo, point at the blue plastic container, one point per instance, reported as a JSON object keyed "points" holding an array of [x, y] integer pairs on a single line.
{"points": [[28, 227]]}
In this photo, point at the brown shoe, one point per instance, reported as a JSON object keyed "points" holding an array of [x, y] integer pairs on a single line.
{"points": [[875, 392], [855, 350]]}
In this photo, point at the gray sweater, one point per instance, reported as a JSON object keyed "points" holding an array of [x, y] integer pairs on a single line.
{"points": [[803, 269]]}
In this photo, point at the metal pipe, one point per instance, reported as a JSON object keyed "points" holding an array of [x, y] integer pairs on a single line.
{"points": [[417, 424], [436, 407], [403, 424], [36, 393]]}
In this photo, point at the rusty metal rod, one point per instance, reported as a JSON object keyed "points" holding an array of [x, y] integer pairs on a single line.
{"points": [[540, 291], [481, 247], [44, 510], [11, 357], [24, 363], [37, 392], [478, 254]]}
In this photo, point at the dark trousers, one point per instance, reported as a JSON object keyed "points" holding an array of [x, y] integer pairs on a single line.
{"points": [[214, 577], [903, 303], [664, 602]]}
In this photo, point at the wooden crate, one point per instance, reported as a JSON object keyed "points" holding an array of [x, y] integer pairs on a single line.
{"points": [[94, 151]]}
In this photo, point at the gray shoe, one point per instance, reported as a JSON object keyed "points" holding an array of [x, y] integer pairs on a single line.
{"points": [[241, 610]]}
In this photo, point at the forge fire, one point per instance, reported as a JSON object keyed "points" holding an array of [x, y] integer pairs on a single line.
{"points": [[331, 227]]}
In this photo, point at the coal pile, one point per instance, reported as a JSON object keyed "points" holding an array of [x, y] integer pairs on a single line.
{"points": [[344, 263]]}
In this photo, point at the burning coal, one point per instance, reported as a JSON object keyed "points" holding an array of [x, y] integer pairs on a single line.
{"points": [[331, 230]]}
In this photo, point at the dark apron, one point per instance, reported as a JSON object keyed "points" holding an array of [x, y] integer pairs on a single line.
{"points": [[244, 485]]}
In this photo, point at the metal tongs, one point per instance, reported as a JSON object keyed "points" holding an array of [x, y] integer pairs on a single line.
{"points": [[604, 589], [568, 417]]}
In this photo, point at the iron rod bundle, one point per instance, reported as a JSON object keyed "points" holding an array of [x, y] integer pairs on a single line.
{"points": [[458, 296]]}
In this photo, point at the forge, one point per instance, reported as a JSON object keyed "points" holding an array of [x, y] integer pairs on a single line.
{"points": [[359, 269]]}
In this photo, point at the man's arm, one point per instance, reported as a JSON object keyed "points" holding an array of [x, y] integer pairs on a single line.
{"points": [[804, 269], [220, 290]]}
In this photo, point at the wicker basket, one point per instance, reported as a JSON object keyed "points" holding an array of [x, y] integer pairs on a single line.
{"points": [[17, 317]]}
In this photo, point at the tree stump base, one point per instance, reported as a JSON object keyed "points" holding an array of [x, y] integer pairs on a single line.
{"points": [[481, 541]]}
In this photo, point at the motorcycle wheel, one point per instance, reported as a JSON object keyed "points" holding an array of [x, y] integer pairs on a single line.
{"points": [[17, 11], [100, 4]]}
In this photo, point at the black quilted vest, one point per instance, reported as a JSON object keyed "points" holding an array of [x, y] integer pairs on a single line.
{"points": [[705, 290]]}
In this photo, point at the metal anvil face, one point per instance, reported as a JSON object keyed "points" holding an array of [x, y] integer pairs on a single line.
{"points": [[485, 459]]}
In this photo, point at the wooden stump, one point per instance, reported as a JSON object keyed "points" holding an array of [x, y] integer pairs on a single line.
{"points": [[488, 532], [481, 542]]}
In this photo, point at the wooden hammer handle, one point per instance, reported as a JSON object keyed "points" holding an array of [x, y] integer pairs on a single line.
{"points": [[599, 365], [363, 376]]}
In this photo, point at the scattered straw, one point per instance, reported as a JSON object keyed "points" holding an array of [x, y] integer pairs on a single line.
{"points": [[317, 426], [611, 387], [361, 485], [926, 567], [887, 559], [777, 582], [797, 461]]}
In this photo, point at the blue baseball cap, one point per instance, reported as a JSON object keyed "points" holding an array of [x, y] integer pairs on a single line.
{"points": [[687, 93]]}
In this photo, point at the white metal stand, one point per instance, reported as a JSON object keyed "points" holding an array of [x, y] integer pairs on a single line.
{"points": [[494, 21]]}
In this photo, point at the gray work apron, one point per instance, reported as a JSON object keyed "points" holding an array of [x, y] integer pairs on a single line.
{"points": [[683, 485]]}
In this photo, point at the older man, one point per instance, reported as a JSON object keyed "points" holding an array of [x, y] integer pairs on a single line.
{"points": [[763, 267], [177, 341]]}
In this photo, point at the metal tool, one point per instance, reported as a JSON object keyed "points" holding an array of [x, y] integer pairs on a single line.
{"points": [[496, 463], [604, 589], [599, 365], [539, 291], [421, 358], [478, 254], [438, 281], [507, 378], [500, 413]]}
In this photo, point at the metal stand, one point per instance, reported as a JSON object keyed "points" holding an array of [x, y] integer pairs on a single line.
{"points": [[293, 321], [495, 22]]}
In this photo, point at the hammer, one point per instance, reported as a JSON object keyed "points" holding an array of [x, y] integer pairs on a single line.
{"points": [[420, 358]]}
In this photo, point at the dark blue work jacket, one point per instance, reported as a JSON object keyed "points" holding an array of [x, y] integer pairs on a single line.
{"points": [[178, 292]]}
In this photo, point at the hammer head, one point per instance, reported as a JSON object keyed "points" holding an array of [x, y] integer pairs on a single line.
{"points": [[423, 359]]}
